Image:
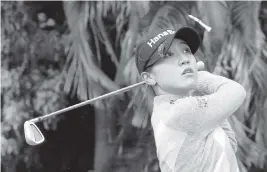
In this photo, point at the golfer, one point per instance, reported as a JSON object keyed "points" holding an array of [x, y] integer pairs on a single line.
{"points": [[191, 107]]}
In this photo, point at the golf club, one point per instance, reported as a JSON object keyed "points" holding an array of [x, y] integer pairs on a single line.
{"points": [[206, 27], [34, 136]]}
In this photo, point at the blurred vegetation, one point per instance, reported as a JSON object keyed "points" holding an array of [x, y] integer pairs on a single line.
{"points": [[54, 54]]}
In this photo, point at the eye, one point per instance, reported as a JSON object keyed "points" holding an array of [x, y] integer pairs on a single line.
{"points": [[187, 50], [169, 54]]}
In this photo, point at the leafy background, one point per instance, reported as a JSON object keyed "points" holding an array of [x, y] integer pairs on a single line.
{"points": [[56, 54]]}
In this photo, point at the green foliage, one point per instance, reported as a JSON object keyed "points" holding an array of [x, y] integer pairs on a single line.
{"points": [[35, 74], [235, 17], [83, 72], [229, 42], [86, 47], [31, 80], [241, 59]]}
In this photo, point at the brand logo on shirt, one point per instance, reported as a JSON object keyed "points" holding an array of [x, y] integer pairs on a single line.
{"points": [[159, 36]]}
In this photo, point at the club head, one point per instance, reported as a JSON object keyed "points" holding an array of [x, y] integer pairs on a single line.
{"points": [[32, 133]]}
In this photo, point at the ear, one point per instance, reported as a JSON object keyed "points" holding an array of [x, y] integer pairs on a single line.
{"points": [[148, 78]]}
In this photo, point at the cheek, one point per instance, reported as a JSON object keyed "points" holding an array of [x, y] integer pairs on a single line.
{"points": [[167, 74]]}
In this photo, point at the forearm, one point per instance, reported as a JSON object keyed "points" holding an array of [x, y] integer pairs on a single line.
{"points": [[204, 113], [209, 83]]}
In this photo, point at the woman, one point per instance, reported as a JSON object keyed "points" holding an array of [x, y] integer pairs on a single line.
{"points": [[191, 132]]}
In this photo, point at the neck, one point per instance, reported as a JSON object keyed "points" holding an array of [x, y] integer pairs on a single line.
{"points": [[181, 93]]}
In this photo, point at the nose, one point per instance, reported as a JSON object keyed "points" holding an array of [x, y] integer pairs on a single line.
{"points": [[184, 61]]}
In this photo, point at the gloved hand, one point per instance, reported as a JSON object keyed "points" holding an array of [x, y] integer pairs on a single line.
{"points": [[200, 66]]}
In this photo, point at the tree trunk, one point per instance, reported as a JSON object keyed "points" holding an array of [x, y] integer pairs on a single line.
{"points": [[103, 148]]}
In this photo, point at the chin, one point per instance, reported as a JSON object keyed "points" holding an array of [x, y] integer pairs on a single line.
{"points": [[190, 84]]}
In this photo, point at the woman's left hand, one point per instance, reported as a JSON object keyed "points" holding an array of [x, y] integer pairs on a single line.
{"points": [[200, 66]]}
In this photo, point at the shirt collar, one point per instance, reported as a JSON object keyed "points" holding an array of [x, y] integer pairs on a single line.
{"points": [[166, 98]]}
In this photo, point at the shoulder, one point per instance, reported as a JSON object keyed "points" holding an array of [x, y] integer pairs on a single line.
{"points": [[161, 108], [165, 107], [169, 103]]}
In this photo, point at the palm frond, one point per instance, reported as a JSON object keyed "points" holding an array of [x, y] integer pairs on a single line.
{"points": [[106, 8], [83, 72], [131, 37], [170, 16], [127, 48], [125, 12], [121, 20], [240, 12], [241, 60], [130, 72], [97, 45], [104, 33], [216, 15], [139, 8]]}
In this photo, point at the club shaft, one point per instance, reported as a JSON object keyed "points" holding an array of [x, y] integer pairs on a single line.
{"points": [[38, 119], [208, 28]]}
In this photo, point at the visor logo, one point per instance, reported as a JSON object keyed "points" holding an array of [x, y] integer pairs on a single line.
{"points": [[158, 37]]}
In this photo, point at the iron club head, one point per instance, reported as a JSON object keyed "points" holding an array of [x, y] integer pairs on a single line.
{"points": [[32, 133]]}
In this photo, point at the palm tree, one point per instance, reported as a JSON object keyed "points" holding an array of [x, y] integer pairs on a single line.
{"points": [[235, 48], [85, 75]]}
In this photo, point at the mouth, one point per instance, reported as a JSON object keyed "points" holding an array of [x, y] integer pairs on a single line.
{"points": [[188, 71]]}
